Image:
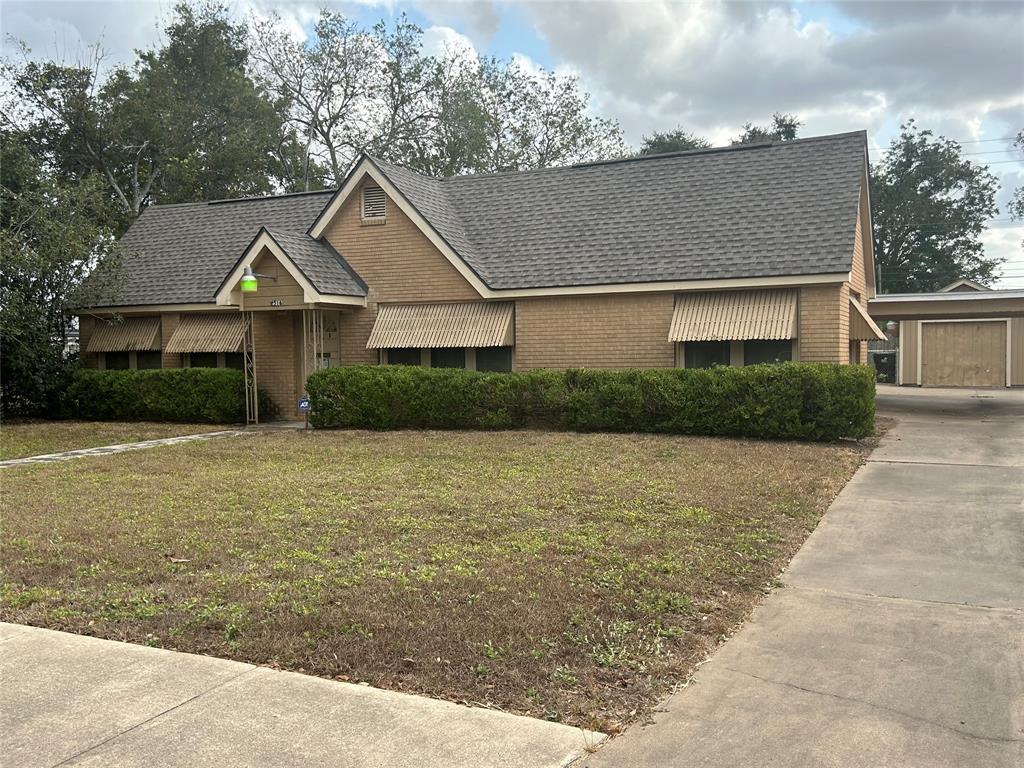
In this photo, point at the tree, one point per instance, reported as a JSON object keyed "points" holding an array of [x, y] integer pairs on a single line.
{"points": [[784, 127], [52, 235], [678, 140], [185, 123], [930, 206], [1016, 205], [349, 90]]}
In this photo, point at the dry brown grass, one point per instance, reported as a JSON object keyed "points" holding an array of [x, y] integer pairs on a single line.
{"points": [[33, 437], [572, 577]]}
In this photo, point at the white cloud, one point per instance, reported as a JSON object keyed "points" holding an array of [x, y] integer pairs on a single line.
{"points": [[438, 41]]}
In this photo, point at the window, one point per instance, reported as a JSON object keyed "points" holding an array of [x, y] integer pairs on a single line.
{"points": [[373, 203], [705, 354], [234, 360], [117, 361], [494, 359], [405, 356], [778, 351], [448, 357], [145, 361], [202, 360]]}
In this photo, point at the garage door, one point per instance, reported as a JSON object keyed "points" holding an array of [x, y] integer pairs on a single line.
{"points": [[970, 354]]}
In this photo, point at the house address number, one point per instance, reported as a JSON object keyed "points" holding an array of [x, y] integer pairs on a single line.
{"points": [[275, 302]]}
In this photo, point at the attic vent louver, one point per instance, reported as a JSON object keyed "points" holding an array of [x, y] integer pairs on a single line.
{"points": [[373, 203]]}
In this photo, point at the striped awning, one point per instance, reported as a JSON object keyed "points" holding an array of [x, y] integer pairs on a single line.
{"points": [[734, 315], [132, 334], [862, 327], [476, 324], [207, 333]]}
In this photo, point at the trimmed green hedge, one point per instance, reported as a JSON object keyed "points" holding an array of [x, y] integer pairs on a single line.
{"points": [[213, 395], [790, 401]]}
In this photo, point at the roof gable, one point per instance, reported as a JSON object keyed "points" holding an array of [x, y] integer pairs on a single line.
{"points": [[770, 210]]}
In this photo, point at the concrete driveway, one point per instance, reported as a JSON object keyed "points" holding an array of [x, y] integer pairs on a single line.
{"points": [[898, 639]]}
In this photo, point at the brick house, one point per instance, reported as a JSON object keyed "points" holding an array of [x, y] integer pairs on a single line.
{"points": [[728, 256]]}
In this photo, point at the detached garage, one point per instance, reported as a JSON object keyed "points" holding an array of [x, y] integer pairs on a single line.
{"points": [[962, 336]]}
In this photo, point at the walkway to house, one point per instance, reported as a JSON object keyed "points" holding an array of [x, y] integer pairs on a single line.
{"points": [[72, 700], [119, 448], [899, 636]]}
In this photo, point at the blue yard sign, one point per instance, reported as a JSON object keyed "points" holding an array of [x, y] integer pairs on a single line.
{"points": [[304, 404]]}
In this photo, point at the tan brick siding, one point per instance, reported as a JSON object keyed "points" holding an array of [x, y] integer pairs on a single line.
{"points": [[278, 286], [620, 331], [168, 324], [857, 274], [276, 352], [824, 318], [395, 259], [398, 263]]}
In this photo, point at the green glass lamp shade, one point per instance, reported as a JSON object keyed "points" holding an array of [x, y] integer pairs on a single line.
{"points": [[248, 283]]}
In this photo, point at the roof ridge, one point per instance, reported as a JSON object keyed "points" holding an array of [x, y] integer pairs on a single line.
{"points": [[631, 158]]}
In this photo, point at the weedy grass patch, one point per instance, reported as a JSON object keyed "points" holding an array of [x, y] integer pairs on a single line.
{"points": [[34, 437], [575, 577]]}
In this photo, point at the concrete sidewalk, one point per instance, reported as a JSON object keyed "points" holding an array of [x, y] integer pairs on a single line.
{"points": [[82, 701], [899, 638]]}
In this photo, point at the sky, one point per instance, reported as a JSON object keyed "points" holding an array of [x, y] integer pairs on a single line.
{"points": [[710, 66]]}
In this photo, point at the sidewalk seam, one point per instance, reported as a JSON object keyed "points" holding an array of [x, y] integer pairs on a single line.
{"points": [[149, 720], [824, 590], [854, 700]]}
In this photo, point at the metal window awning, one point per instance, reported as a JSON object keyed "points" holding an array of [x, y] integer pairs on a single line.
{"points": [[476, 324], [207, 333], [133, 334], [862, 327], [734, 315]]}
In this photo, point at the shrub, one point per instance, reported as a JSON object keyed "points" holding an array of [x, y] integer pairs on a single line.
{"points": [[792, 401], [214, 395]]}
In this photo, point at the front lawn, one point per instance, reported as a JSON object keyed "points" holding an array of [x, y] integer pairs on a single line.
{"points": [[567, 576], [32, 437]]}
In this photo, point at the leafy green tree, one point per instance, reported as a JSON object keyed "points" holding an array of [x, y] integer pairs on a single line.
{"points": [[783, 127], [678, 140], [52, 235], [929, 209], [185, 123]]}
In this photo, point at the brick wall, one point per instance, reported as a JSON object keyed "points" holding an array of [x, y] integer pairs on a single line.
{"points": [[277, 348], [616, 331], [168, 324], [398, 263], [824, 318]]}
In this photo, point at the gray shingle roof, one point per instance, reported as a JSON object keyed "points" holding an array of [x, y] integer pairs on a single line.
{"points": [[320, 263], [788, 208], [180, 254], [764, 210]]}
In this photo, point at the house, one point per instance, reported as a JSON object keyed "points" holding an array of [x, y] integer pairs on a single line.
{"points": [[963, 335], [733, 256]]}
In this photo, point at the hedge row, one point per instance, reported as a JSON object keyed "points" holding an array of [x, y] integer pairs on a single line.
{"points": [[213, 395], [791, 401]]}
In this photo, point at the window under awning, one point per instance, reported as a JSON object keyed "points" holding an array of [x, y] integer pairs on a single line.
{"points": [[734, 315], [133, 334], [476, 324], [862, 327], [207, 333]]}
